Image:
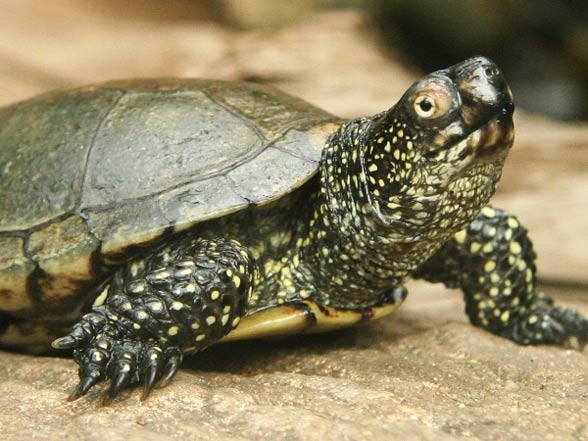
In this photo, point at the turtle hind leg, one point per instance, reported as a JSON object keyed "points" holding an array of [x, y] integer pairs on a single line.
{"points": [[493, 262], [154, 311]]}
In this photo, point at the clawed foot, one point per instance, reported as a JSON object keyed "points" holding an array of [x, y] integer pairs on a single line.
{"points": [[103, 353], [548, 324]]}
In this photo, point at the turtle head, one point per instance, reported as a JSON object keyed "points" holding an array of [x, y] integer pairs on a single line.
{"points": [[434, 159]]}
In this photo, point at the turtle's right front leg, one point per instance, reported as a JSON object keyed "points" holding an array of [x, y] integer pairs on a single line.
{"points": [[176, 302]]}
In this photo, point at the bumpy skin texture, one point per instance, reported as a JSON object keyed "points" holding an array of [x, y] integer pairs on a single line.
{"points": [[177, 301], [493, 262]]}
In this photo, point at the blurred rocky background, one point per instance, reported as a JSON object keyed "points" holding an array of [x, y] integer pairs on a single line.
{"points": [[423, 373]]}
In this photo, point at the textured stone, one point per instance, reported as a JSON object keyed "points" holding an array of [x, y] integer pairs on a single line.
{"points": [[421, 374]]}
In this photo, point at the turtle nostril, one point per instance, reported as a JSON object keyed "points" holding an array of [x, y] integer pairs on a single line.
{"points": [[491, 71]]}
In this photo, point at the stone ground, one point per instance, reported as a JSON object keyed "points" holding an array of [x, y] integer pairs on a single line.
{"points": [[422, 374]]}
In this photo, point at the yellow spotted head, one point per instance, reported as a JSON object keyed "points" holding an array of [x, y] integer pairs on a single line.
{"points": [[441, 148]]}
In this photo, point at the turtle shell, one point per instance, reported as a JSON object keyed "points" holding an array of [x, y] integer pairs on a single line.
{"points": [[89, 172]]}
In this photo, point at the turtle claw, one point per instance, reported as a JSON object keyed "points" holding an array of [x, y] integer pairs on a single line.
{"points": [[83, 387], [66, 342], [83, 331], [149, 382], [153, 366], [121, 381], [174, 361], [125, 362]]}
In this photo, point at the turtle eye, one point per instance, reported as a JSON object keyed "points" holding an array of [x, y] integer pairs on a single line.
{"points": [[431, 104], [424, 106]]}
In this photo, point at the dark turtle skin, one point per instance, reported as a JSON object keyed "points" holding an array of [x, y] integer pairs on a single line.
{"points": [[148, 220]]}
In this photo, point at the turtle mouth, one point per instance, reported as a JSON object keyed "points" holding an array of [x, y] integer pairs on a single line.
{"points": [[488, 142]]}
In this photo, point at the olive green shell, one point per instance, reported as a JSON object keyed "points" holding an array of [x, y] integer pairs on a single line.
{"points": [[86, 173]]}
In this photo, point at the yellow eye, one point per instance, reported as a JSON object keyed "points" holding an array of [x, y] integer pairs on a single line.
{"points": [[424, 106], [432, 102]]}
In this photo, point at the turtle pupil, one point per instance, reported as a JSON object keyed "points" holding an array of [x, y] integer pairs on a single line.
{"points": [[426, 105]]}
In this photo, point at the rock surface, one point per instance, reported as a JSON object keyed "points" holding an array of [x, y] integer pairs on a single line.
{"points": [[422, 374]]}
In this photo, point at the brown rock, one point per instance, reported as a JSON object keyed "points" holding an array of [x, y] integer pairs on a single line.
{"points": [[423, 374]]}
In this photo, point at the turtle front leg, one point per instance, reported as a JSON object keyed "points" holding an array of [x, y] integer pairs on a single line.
{"points": [[493, 262], [154, 310]]}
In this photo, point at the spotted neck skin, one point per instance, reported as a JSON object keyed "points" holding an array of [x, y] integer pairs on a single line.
{"points": [[385, 206], [395, 187]]}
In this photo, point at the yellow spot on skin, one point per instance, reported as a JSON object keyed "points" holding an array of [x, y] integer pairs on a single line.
{"points": [[533, 319], [190, 287], [177, 305], [154, 356], [528, 275], [505, 316], [304, 293], [136, 326], [225, 319], [211, 320], [200, 337], [475, 247], [493, 291], [236, 281], [491, 231], [162, 275], [373, 168], [142, 315], [195, 325], [173, 331], [515, 248], [236, 321], [488, 212], [460, 236], [489, 266], [522, 266], [138, 288], [134, 269], [215, 294], [101, 298], [488, 248], [157, 306], [513, 223]]}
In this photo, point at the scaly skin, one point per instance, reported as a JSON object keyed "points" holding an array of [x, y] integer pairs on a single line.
{"points": [[493, 262], [399, 194]]}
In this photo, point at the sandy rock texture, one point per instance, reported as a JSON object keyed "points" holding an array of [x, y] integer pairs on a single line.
{"points": [[422, 374]]}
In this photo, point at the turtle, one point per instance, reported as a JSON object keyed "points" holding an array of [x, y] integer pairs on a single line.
{"points": [[142, 221]]}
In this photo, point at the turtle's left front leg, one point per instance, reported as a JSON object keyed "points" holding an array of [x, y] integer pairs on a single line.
{"points": [[177, 300], [493, 262]]}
